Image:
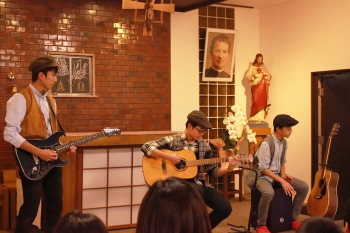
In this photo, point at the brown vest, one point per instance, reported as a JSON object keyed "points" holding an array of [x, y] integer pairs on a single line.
{"points": [[34, 125]]}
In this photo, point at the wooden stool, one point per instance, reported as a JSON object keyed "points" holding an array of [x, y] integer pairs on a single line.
{"points": [[12, 203], [227, 187], [4, 208]]}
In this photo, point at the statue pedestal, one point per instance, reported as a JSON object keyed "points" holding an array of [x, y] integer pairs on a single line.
{"points": [[258, 124]]}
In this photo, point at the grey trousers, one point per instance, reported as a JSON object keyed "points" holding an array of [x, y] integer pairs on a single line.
{"points": [[265, 188]]}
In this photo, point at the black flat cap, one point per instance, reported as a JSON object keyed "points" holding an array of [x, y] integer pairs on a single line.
{"points": [[283, 120], [199, 118], [41, 63]]}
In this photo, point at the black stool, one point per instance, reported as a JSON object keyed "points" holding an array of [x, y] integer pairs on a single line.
{"points": [[280, 211]]}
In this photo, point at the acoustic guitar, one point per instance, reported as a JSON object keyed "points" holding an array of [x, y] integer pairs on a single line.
{"points": [[323, 199], [155, 169], [34, 168]]}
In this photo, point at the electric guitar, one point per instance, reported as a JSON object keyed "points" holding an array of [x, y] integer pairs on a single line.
{"points": [[155, 169], [323, 199], [35, 168]]}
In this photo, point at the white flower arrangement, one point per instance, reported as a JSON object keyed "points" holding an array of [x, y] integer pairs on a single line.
{"points": [[234, 121]]}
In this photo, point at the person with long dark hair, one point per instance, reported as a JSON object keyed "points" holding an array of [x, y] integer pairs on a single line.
{"points": [[173, 206]]}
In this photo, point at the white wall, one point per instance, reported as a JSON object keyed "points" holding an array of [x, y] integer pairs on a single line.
{"points": [[185, 64], [295, 37], [247, 46], [184, 67]]}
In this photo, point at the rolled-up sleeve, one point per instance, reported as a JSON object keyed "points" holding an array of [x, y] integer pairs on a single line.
{"points": [[162, 143]]}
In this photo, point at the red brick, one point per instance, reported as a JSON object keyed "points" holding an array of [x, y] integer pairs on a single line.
{"points": [[132, 71]]}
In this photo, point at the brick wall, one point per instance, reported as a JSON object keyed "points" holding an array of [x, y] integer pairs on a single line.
{"points": [[132, 71]]}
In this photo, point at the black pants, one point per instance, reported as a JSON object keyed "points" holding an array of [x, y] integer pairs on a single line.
{"points": [[51, 186], [220, 205]]}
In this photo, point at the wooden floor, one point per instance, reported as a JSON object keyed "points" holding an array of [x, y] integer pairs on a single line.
{"points": [[239, 217]]}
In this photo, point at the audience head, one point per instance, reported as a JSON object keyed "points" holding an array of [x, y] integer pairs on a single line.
{"points": [[76, 221], [173, 206], [319, 225], [346, 226]]}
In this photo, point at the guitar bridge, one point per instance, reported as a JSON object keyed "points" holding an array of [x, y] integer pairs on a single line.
{"points": [[318, 197], [34, 171]]}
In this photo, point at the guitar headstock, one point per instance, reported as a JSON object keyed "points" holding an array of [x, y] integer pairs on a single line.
{"points": [[244, 159], [110, 131], [334, 129]]}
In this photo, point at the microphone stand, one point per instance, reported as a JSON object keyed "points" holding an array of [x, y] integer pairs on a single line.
{"points": [[235, 227]]}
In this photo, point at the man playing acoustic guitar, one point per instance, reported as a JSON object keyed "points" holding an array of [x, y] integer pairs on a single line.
{"points": [[28, 116], [274, 147], [191, 139]]}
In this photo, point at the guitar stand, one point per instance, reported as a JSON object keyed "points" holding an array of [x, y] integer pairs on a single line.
{"points": [[328, 166], [245, 229]]}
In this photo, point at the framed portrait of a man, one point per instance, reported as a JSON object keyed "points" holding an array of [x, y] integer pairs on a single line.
{"points": [[219, 55]]}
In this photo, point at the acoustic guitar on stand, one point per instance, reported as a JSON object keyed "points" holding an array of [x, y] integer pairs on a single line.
{"points": [[323, 199], [155, 169]]}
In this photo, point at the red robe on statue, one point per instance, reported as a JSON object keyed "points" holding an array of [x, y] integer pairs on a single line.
{"points": [[259, 96]]}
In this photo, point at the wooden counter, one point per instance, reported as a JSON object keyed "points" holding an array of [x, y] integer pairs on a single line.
{"points": [[74, 172]]}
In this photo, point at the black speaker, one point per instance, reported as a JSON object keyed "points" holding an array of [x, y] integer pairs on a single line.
{"points": [[280, 211]]}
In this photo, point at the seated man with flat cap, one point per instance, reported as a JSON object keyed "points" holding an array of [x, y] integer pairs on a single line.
{"points": [[197, 124], [272, 164]]}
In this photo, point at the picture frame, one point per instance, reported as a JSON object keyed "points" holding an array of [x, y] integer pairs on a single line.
{"points": [[76, 75], [212, 63]]}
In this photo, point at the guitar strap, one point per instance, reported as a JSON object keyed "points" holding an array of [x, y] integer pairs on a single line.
{"points": [[49, 102]]}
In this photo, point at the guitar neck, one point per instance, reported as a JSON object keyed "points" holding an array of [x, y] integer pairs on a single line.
{"points": [[64, 147], [206, 161], [325, 159]]}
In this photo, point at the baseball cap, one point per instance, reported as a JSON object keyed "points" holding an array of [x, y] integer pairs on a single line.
{"points": [[283, 120], [41, 63], [199, 118]]}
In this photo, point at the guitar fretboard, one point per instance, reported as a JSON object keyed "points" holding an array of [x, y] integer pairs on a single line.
{"points": [[328, 146], [213, 160], [64, 147]]}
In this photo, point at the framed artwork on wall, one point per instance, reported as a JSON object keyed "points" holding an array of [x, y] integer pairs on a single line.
{"points": [[76, 75], [219, 55]]}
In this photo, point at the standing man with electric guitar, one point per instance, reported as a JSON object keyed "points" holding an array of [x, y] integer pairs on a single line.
{"points": [[191, 139], [28, 116]]}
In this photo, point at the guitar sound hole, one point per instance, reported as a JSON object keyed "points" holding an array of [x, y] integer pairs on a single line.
{"points": [[181, 165], [321, 183]]}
